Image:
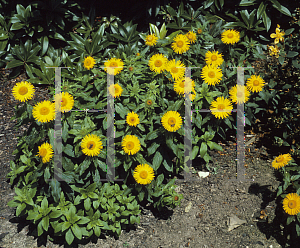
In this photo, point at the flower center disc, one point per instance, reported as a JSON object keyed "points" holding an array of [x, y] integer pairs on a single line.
{"points": [[179, 43], [255, 83], [44, 111], [23, 90], [150, 38], [181, 85], [214, 57], [132, 119], [199, 31], [279, 159], [174, 70], [91, 145], [230, 36], [211, 74], [190, 36], [43, 152], [292, 204], [116, 90], [113, 64], [172, 121], [143, 174], [129, 145], [221, 107], [63, 102], [158, 63], [239, 94], [88, 62]]}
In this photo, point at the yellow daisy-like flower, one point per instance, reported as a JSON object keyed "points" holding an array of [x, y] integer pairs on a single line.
{"points": [[176, 68], [44, 111], [89, 62], [66, 103], [115, 90], [46, 152], [185, 85], [230, 36], [211, 74], [91, 145], [239, 94], [213, 58], [281, 160], [132, 119], [278, 36], [191, 36], [151, 40], [158, 63], [131, 144], [23, 91], [114, 66], [221, 108], [255, 83], [181, 44], [274, 51], [171, 121], [138, 54], [291, 204], [143, 174]]}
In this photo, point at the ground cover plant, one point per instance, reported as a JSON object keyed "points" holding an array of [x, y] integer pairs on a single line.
{"points": [[149, 91]]}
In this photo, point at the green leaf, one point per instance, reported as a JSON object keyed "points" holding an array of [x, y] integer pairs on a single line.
{"points": [[152, 135], [266, 20], [195, 152], [152, 148], [14, 63], [77, 231], [40, 229], [203, 149], [292, 54], [159, 179], [247, 2], [68, 149], [45, 44], [45, 223], [17, 26], [87, 204], [290, 219], [261, 9], [157, 160], [69, 237]]}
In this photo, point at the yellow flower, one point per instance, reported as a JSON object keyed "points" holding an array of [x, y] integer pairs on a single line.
{"points": [[171, 121], [255, 83], [221, 108], [158, 63], [114, 66], [132, 119], [89, 62], [281, 160], [151, 40], [191, 36], [181, 44], [184, 85], [23, 91], [291, 204], [131, 144], [91, 145], [46, 152], [213, 58], [274, 50], [44, 111], [230, 36], [176, 68], [278, 35], [66, 103], [239, 94], [211, 75], [115, 90], [143, 174], [199, 31]]}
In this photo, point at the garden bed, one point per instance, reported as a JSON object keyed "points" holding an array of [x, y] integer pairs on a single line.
{"points": [[212, 200]]}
